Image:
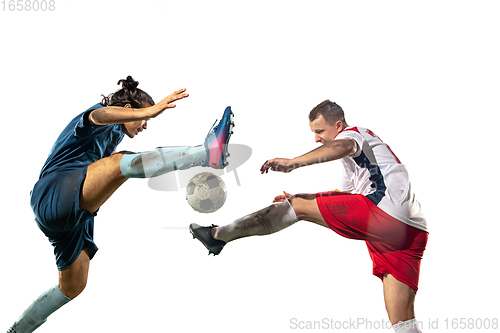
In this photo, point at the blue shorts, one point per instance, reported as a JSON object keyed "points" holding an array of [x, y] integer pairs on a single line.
{"points": [[55, 200]]}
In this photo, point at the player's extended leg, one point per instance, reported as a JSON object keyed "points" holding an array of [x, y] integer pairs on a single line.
{"points": [[263, 222], [72, 281], [273, 218], [399, 303], [105, 176]]}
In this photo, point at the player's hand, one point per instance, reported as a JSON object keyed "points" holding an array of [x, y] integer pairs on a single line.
{"points": [[278, 164], [166, 103], [282, 198]]}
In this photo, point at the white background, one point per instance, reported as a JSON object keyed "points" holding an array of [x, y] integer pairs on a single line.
{"points": [[423, 76]]}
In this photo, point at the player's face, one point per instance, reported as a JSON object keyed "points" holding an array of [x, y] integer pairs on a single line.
{"points": [[133, 128], [323, 131]]}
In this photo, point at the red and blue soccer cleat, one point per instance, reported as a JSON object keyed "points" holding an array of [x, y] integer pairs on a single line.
{"points": [[217, 140]]}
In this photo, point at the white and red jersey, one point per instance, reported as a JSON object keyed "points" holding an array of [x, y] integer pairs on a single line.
{"points": [[375, 172]]}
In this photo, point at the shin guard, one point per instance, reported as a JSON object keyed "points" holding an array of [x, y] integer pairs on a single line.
{"points": [[263, 222], [161, 160], [36, 314]]}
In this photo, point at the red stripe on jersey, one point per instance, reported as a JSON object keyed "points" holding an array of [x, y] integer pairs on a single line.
{"points": [[355, 129], [397, 159], [376, 136]]}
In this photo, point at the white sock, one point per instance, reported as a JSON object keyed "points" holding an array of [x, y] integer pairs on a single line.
{"points": [[36, 314], [161, 160], [263, 222], [409, 326]]}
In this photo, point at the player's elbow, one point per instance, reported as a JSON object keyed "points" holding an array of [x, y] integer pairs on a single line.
{"points": [[349, 146], [96, 117], [346, 147], [353, 147]]}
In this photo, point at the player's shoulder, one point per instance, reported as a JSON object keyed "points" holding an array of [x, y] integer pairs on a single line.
{"points": [[83, 125], [366, 132], [362, 135], [353, 129], [350, 131]]}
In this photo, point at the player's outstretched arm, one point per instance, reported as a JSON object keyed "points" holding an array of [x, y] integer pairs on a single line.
{"points": [[329, 151], [120, 115]]}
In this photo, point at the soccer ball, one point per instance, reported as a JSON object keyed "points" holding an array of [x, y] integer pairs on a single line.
{"points": [[206, 192]]}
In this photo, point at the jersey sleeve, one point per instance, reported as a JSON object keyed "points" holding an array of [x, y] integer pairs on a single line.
{"points": [[353, 134], [84, 127]]}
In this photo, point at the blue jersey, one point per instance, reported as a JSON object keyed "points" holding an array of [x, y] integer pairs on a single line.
{"points": [[55, 198], [82, 143]]}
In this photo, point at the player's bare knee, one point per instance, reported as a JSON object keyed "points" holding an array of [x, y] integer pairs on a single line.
{"points": [[300, 204], [78, 291], [117, 157], [298, 209], [112, 163], [74, 289]]}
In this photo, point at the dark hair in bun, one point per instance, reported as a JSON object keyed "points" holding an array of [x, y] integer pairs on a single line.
{"points": [[128, 94], [129, 83]]}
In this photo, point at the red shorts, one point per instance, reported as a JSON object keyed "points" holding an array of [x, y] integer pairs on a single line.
{"points": [[395, 247]]}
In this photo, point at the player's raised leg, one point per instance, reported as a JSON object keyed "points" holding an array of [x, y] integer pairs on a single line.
{"points": [[212, 153], [286, 211], [105, 176]]}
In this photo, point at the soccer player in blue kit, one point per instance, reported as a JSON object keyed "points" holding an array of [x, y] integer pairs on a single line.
{"points": [[83, 171]]}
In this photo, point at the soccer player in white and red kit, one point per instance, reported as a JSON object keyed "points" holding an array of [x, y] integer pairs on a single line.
{"points": [[376, 204]]}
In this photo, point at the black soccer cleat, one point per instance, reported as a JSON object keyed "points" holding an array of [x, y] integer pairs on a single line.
{"points": [[214, 246]]}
